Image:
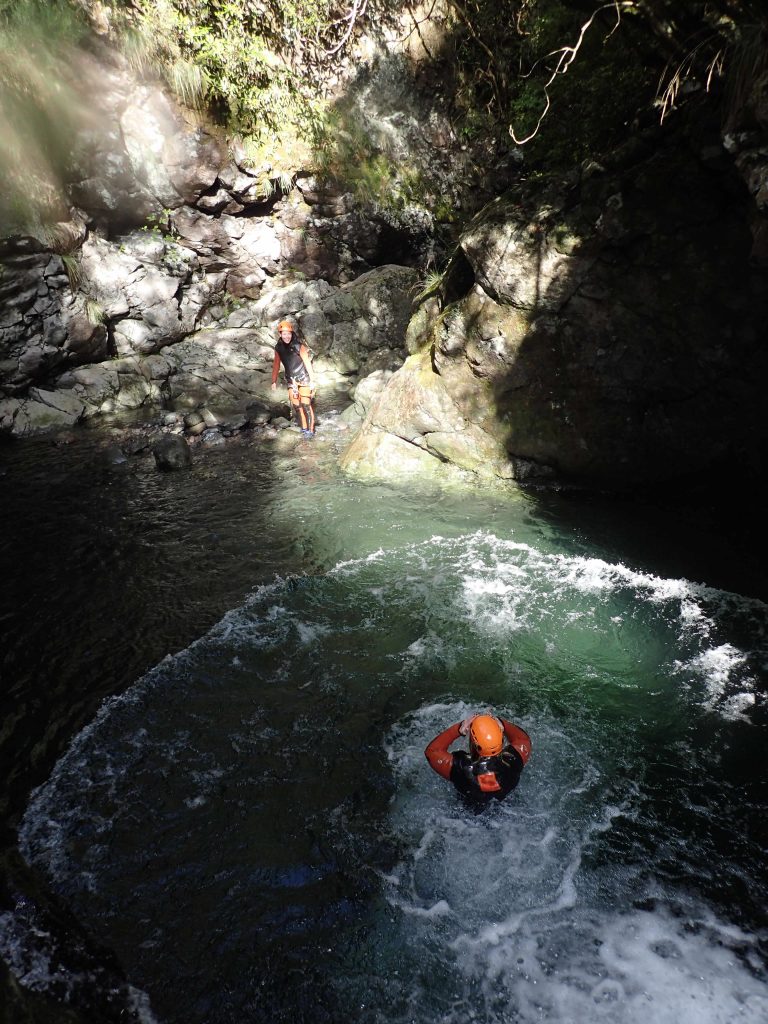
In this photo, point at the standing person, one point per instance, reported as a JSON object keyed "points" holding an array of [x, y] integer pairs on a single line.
{"points": [[491, 768], [297, 364]]}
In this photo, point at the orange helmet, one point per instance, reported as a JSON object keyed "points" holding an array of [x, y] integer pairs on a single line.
{"points": [[285, 325], [486, 735]]}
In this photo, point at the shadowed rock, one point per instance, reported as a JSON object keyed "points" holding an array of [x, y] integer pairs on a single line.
{"points": [[172, 453]]}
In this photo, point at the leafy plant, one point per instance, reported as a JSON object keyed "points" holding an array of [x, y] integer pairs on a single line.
{"points": [[255, 63], [161, 226], [429, 286]]}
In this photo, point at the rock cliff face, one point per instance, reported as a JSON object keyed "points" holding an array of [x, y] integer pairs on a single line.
{"points": [[611, 329], [176, 259], [606, 327]]}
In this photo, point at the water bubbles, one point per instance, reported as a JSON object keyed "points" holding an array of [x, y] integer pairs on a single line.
{"points": [[279, 762]]}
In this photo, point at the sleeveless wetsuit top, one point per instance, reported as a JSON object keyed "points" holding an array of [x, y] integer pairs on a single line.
{"points": [[290, 357], [487, 778]]}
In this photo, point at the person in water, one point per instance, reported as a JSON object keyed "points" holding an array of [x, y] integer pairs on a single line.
{"points": [[498, 752], [300, 377]]}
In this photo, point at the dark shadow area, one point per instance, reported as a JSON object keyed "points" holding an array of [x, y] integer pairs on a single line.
{"points": [[107, 565], [45, 324], [639, 362], [642, 363], [638, 370]]}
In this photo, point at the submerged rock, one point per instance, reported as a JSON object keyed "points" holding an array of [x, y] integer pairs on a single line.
{"points": [[172, 453]]}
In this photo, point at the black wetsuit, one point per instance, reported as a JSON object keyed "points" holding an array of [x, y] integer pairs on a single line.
{"points": [[290, 357], [487, 778], [484, 780]]}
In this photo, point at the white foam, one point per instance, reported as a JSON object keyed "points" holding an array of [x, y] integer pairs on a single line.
{"points": [[508, 894], [719, 668], [310, 633], [540, 931], [37, 967], [431, 646]]}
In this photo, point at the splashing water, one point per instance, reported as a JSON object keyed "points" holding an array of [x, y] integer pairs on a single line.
{"points": [[255, 831]]}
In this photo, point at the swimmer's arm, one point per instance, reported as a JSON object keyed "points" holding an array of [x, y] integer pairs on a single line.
{"points": [[437, 751], [275, 370], [519, 739]]}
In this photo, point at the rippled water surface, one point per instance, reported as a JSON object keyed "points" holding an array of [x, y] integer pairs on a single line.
{"points": [[251, 824]]}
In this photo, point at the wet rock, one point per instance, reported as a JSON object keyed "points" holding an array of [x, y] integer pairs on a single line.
{"points": [[350, 419], [233, 423], [58, 407], [212, 437], [115, 455], [134, 391], [258, 413], [210, 418], [368, 390], [172, 453], [382, 456], [137, 442], [527, 471], [194, 423]]}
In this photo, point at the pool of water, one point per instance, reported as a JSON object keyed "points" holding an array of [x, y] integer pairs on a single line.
{"points": [[250, 824]]}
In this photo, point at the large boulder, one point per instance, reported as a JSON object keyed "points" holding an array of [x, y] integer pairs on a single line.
{"points": [[521, 263], [140, 155], [615, 332], [139, 286], [230, 364], [40, 411], [353, 325], [95, 386], [416, 407], [374, 456]]}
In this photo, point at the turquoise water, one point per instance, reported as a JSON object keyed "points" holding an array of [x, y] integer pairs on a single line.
{"points": [[253, 828]]}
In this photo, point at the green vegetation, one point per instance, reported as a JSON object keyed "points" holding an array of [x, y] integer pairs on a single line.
{"points": [[429, 287], [516, 78], [345, 152], [255, 64], [72, 270], [160, 226], [568, 75]]}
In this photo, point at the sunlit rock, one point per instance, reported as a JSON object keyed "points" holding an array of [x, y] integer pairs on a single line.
{"points": [[95, 386], [44, 410], [385, 456], [368, 390], [521, 262], [134, 392]]}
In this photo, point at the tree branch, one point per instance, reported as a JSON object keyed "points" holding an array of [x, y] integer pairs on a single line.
{"points": [[357, 11], [565, 57]]}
